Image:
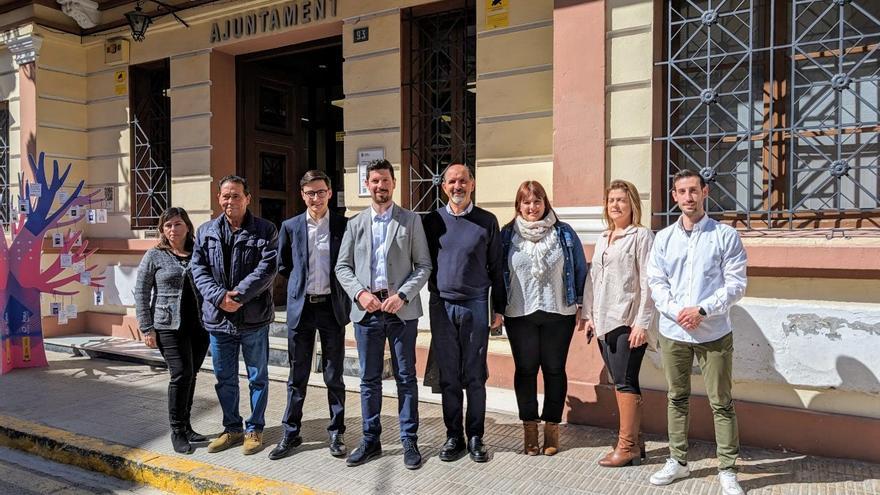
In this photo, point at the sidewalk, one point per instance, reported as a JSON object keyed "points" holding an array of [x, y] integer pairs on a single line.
{"points": [[112, 416]]}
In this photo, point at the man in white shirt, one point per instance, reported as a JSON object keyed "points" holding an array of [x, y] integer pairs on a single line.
{"points": [[696, 272], [308, 246]]}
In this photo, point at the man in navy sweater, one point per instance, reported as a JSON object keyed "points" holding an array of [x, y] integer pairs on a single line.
{"points": [[465, 247]]}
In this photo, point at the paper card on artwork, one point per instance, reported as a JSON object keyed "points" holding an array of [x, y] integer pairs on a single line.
{"points": [[36, 190], [55, 308], [70, 310], [78, 267], [99, 297], [101, 215], [73, 213], [91, 216], [57, 240], [66, 260], [78, 241], [24, 206], [63, 196], [85, 278], [62, 318]]}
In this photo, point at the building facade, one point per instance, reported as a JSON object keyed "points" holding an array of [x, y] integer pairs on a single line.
{"points": [[774, 101]]}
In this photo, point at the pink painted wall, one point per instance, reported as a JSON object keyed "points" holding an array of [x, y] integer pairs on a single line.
{"points": [[578, 102]]}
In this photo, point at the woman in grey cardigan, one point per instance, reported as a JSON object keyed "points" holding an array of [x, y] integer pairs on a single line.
{"points": [[168, 315]]}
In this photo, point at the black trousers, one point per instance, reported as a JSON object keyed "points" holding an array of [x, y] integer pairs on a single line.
{"points": [[540, 341], [623, 362], [300, 346], [184, 351], [460, 337]]}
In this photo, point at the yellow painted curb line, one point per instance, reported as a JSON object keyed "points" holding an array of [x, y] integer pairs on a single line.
{"points": [[165, 472]]}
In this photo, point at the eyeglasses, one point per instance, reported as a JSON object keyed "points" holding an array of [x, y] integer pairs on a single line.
{"points": [[316, 194]]}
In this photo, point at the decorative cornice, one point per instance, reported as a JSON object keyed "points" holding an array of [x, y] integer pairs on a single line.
{"points": [[25, 48], [84, 12]]}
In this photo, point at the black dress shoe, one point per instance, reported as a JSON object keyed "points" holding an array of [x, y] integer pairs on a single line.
{"points": [[284, 447], [365, 452], [453, 449], [337, 445], [195, 437], [412, 458], [478, 450]]}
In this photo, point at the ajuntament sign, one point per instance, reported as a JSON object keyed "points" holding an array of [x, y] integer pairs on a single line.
{"points": [[266, 20]]}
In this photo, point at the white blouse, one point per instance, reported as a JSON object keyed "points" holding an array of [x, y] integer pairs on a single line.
{"points": [[528, 294], [617, 291]]}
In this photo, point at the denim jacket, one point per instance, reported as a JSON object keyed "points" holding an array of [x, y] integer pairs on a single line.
{"points": [[576, 267], [253, 264]]}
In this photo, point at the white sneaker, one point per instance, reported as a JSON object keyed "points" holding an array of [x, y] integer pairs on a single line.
{"points": [[670, 472], [729, 484]]}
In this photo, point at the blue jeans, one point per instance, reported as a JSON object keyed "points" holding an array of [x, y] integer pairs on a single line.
{"points": [[460, 334], [254, 345], [371, 334]]}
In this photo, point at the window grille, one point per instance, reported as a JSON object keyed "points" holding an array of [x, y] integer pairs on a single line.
{"points": [[150, 143], [440, 98], [775, 103]]}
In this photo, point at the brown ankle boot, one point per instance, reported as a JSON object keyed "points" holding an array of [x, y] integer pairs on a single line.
{"points": [[530, 438], [628, 450], [551, 438]]}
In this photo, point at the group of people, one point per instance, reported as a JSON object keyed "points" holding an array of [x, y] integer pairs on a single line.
{"points": [[213, 288]]}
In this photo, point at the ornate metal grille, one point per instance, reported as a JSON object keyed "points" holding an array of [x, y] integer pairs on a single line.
{"points": [[775, 103], [4, 166], [151, 144], [439, 93]]}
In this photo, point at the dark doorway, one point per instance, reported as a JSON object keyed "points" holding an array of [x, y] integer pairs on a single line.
{"points": [[289, 124]]}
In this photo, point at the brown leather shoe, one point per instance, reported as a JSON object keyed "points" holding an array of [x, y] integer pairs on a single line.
{"points": [[551, 438], [226, 440], [628, 450], [530, 438], [253, 440]]}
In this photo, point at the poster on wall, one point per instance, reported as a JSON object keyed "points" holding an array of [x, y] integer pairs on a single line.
{"points": [[366, 156]]}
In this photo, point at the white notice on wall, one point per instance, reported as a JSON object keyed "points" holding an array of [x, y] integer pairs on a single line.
{"points": [[99, 297], [101, 214], [36, 190], [70, 311], [54, 308], [57, 240], [66, 259], [366, 156]]}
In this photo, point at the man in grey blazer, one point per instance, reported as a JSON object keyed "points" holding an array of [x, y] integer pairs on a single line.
{"points": [[383, 263]]}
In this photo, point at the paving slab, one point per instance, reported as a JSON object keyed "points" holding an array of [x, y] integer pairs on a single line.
{"points": [[122, 405]]}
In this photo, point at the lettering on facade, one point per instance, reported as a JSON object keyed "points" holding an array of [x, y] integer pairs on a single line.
{"points": [[267, 20]]}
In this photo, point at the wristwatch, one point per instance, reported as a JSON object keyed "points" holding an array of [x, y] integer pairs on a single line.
{"points": [[702, 312], [402, 297]]}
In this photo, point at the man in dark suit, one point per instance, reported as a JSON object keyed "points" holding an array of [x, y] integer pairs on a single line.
{"points": [[308, 247]]}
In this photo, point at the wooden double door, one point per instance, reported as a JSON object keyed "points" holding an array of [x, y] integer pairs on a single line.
{"points": [[272, 154]]}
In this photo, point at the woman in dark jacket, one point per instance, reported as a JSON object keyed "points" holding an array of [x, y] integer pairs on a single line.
{"points": [[545, 271], [168, 315]]}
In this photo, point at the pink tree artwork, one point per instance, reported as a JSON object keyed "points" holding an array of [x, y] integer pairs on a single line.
{"points": [[23, 279]]}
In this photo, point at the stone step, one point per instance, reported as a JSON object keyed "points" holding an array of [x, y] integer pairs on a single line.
{"points": [[120, 349]]}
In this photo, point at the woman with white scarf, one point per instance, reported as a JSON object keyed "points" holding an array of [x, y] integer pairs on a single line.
{"points": [[545, 272]]}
